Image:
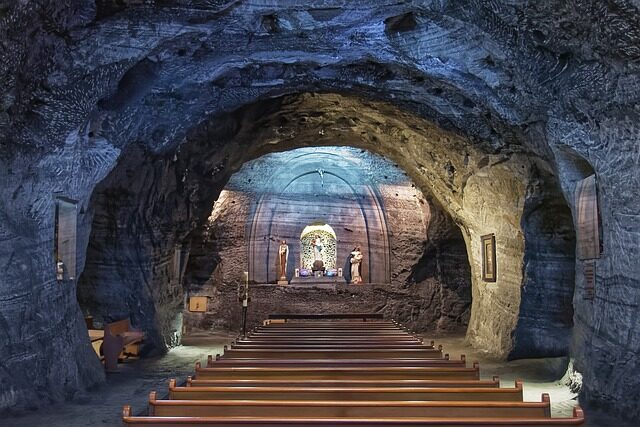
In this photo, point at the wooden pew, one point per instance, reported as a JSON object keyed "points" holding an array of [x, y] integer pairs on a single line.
{"points": [[332, 337], [324, 336], [150, 421], [328, 329], [493, 383], [338, 327], [118, 336], [339, 373], [335, 325], [331, 343], [258, 362], [346, 393], [347, 409], [97, 339], [331, 322], [147, 421], [282, 321], [325, 341], [328, 346], [328, 332], [341, 317], [336, 353]]}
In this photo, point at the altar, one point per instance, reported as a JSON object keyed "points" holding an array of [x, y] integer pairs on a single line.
{"points": [[291, 252], [324, 281]]}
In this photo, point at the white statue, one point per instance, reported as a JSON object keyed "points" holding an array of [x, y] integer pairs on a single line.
{"points": [[317, 248], [356, 263], [283, 251]]}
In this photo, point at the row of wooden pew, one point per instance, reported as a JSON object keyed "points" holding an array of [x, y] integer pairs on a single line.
{"points": [[341, 373]]}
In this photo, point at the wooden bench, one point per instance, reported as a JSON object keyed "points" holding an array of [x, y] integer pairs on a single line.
{"points": [[346, 393], [97, 338], [493, 383], [327, 336], [117, 337], [319, 317], [347, 409], [333, 332], [349, 330], [329, 332], [338, 341], [352, 337], [335, 353], [257, 362], [149, 421], [314, 342], [285, 328], [327, 346], [388, 329], [339, 373]]}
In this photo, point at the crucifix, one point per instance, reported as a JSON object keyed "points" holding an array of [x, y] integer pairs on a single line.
{"points": [[321, 173]]}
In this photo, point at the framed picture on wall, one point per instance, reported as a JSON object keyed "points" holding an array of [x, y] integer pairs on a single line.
{"points": [[489, 258], [198, 304]]}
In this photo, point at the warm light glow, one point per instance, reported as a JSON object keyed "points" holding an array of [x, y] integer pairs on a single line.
{"points": [[318, 227]]}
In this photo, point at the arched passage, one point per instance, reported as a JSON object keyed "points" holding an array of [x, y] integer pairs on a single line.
{"points": [[512, 76], [427, 283], [480, 192]]}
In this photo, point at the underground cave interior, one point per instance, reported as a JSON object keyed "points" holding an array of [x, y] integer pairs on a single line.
{"points": [[189, 221], [136, 114], [167, 227], [418, 264]]}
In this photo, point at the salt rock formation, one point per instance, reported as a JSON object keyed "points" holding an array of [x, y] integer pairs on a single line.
{"points": [[494, 110]]}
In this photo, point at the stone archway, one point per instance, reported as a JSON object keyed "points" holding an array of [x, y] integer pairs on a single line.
{"points": [[77, 105], [430, 286], [297, 195], [481, 192]]}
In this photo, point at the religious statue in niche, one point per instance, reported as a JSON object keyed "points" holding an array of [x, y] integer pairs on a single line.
{"points": [[283, 253], [318, 264], [355, 259], [317, 248]]}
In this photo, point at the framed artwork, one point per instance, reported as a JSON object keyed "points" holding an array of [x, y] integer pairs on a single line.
{"points": [[489, 258], [198, 304]]}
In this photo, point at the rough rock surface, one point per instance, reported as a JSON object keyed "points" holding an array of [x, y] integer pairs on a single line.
{"points": [[414, 307], [488, 106]]}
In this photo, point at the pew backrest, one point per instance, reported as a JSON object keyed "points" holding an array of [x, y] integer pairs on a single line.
{"points": [[348, 409], [345, 393], [290, 382], [147, 421], [329, 373]]}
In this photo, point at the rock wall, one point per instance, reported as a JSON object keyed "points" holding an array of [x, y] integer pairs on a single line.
{"points": [[461, 95], [548, 267], [605, 335], [395, 302]]}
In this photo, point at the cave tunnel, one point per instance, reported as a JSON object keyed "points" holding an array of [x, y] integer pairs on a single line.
{"points": [[151, 212], [483, 157]]}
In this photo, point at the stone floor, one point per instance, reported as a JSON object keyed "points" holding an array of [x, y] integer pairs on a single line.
{"points": [[539, 376], [102, 406]]}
